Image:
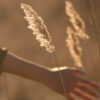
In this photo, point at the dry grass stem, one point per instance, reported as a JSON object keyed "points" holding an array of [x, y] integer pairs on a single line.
{"points": [[36, 24], [73, 36]]}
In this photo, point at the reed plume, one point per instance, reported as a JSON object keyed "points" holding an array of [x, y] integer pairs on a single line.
{"points": [[36, 24], [73, 45], [76, 20], [75, 34]]}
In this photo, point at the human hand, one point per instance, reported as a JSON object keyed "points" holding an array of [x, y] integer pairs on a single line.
{"points": [[75, 85]]}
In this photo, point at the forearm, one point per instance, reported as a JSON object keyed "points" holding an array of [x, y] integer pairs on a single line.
{"points": [[18, 66]]}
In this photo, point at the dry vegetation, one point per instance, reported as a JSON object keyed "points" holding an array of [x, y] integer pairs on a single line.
{"points": [[36, 24], [74, 36], [14, 35]]}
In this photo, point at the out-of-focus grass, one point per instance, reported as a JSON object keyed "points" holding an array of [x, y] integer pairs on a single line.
{"points": [[19, 40]]}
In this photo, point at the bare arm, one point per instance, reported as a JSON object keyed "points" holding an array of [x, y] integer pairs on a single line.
{"points": [[74, 83], [21, 67]]}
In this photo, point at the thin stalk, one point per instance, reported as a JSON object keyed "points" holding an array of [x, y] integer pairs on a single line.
{"points": [[60, 75]]}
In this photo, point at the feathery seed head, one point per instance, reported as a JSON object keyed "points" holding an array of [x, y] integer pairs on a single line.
{"points": [[36, 24], [73, 36]]}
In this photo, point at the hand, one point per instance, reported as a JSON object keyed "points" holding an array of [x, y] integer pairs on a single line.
{"points": [[75, 85]]}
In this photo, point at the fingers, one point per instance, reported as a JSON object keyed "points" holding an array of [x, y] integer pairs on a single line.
{"points": [[79, 93], [85, 82], [87, 90], [70, 96], [78, 72], [88, 83]]}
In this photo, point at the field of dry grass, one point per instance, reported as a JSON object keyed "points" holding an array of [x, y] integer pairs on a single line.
{"points": [[19, 40]]}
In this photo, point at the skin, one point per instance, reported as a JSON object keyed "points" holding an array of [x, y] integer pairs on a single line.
{"points": [[74, 84]]}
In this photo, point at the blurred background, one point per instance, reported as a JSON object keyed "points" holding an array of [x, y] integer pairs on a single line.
{"points": [[18, 39]]}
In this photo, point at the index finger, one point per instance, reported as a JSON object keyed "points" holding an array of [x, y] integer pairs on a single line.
{"points": [[78, 72], [88, 83]]}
